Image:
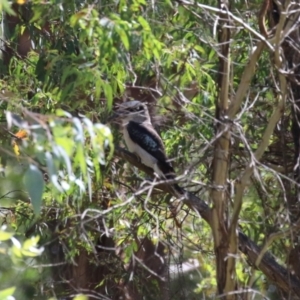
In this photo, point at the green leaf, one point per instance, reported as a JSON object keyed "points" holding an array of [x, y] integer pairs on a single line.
{"points": [[200, 49], [52, 170], [6, 7], [34, 183], [5, 236], [62, 113], [7, 293], [108, 94], [124, 37], [80, 297], [80, 158], [79, 130], [144, 23]]}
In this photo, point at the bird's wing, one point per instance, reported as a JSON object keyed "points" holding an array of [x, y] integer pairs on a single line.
{"points": [[148, 139]]}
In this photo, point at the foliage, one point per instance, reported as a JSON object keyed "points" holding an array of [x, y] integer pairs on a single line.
{"points": [[91, 209], [17, 258]]}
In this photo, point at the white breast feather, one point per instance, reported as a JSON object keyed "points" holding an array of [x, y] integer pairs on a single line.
{"points": [[146, 158]]}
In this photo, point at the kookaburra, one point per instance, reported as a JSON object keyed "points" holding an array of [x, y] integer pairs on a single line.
{"points": [[142, 139]]}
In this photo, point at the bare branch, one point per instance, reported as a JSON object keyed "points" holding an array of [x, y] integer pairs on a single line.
{"points": [[233, 17], [268, 265]]}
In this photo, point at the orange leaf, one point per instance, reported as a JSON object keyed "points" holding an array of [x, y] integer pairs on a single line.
{"points": [[21, 134]]}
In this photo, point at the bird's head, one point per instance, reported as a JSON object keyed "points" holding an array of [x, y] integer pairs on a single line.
{"points": [[131, 111]]}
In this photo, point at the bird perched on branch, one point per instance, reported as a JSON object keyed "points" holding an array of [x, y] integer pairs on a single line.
{"points": [[142, 139]]}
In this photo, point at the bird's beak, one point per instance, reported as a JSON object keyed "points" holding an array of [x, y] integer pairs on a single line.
{"points": [[112, 117], [115, 116]]}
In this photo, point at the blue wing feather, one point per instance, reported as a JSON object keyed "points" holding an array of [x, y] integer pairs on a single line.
{"points": [[149, 140]]}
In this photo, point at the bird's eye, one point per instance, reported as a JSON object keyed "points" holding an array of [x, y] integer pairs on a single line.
{"points": [[136, 108]]}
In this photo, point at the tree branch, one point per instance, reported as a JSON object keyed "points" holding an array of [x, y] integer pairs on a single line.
{"points": [[268, 265]]}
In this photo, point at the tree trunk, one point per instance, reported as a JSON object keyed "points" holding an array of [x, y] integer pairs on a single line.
{"points": [[225, 252]]}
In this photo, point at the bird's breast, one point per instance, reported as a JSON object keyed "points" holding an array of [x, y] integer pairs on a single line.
{"points": [[145, 157], [128, 141]]}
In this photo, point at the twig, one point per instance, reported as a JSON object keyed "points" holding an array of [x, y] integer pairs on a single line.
{"points": [[268, 265]]}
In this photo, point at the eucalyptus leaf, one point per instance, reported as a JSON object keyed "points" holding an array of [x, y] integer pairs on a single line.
{"points": [[34, 184]]}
